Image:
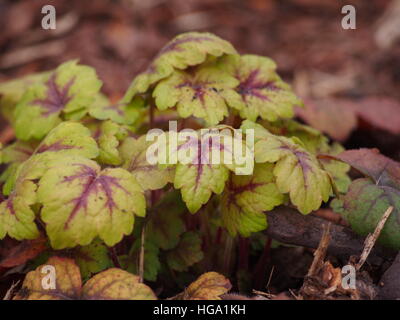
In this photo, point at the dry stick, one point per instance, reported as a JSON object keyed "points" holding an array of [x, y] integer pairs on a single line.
{"points": [[287, 225], [320, 253], [371, 238], [10, 291]]}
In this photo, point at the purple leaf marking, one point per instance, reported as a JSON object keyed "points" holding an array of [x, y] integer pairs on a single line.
{"points": [[91, 185], [56, 98]]}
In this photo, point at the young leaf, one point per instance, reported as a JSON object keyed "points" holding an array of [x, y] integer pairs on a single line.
{"points": [[69, 90], [209, 286], [121, 112], [364, 205], [81, 202], [187, 253], [246, 198], [109, 139], [149, 176], [187, 49], [297, 171], [17, 219], [262, 91], [67, 139], [204, 160], [112, 284], [201, 92], [12, 91]]}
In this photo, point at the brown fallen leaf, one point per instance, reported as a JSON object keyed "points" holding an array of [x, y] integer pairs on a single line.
{"points": [[14, 253]]}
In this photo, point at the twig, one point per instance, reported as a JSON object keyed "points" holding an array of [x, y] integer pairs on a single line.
{"points": [[10, 291], [371, 238], [320, 253], [289, 226]]}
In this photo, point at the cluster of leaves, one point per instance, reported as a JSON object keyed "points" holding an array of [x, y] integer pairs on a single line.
{"points": [[79, 175]]}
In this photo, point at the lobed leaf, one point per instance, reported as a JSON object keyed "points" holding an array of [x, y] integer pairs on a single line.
{"points": [[66, 95], [149, 176], [112, 284], [92, 258], [364, 205], [202, 93], [186, 253], [297, 171], [80, 202], [17, 218], [165, 224], [246, 198], [263, 93], [185, 50]]}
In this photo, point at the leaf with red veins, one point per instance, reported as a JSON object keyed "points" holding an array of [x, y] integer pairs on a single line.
{"points": [[202, 92], [67, 139], [112, 284], [246, 198], [81, 202], [204, 160], [17, 219], [297, 171], [149, 176], [66, 95], [185, 50], [263, 93]]}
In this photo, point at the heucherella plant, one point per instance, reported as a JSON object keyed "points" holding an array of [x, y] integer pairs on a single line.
{"points": [[199, 149]]}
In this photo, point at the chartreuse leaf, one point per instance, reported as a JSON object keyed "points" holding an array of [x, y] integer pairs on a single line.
{"points": [[152, 264], [92, 258], [80, 202], [17, 219], [247, 197], [149, 176], [112, 284], [186, 253], [67, 139], [363, 207], [204, 159], [201, 93], [120, 112], [209, 286], [198, 181], [66, 94], [296, 170], [165, 224], [316, 143], [109, 139], [12, 91], [187, 49], [263, 93]]}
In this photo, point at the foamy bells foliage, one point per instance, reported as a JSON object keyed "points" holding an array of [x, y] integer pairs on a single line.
{"points": [[80, 167]]}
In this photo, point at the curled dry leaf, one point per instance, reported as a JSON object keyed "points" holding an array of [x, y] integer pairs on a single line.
{"points": [[112, 284], [209, 286]]}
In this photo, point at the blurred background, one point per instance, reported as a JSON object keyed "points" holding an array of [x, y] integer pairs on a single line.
{"points": [[349, 79]]}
